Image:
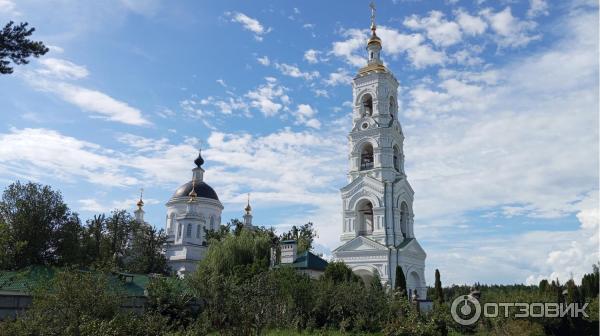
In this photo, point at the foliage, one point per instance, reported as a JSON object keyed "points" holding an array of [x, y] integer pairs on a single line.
{"points": [[337, 272], [145, 253], [63, 305], [172, 299], [38, 224], [16, 47], [439, 293], [303, 235]]}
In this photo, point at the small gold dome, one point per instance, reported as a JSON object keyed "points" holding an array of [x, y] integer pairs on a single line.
{"points": [[140, 203]]}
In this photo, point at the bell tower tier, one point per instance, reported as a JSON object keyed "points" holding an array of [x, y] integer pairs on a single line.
{"points": [[378, 200]]}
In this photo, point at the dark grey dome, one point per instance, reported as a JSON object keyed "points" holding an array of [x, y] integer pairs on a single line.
{"points": [[202, 190]]}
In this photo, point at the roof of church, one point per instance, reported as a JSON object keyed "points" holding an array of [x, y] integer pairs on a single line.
{"points": [[200, 188], [405, 242], [309, 260]]}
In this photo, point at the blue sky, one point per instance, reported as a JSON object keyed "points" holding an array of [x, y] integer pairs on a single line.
{"points": [[498, 101]]}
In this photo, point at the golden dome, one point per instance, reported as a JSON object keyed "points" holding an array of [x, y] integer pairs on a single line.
{"points": [[140, 203]]}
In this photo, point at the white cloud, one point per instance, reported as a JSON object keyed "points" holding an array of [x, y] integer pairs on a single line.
{"points": [[496, 141], [49, 79], [394, 43], [305, 115], [294, 71], [94, 205], [250, 24], [8, 7], [62, 69], [269, 98], [537, 7], [263, 60], [341, 76], [312, 56], [40, 154], [100, 103], [440, 31], [321, 93], [511, 32], [472, 25]]}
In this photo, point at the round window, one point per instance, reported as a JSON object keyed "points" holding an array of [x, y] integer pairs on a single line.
{"points": [[364, 125]]}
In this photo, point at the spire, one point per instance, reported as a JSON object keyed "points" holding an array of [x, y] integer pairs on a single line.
{"points": [[192, 193], [140, 203], [248, 215], [248, 208], [373, 25], [374, 40], [199, 160], [198, 172], [139, 213]]}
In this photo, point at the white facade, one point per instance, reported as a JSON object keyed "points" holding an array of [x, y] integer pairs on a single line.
{"points": [[193, 208], [377, 228]]}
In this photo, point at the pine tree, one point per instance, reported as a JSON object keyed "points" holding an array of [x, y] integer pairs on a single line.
{"points": [[439, 293], [400, 280]]}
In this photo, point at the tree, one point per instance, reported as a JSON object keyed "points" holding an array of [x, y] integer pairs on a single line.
{"points": [[69, 247], [68, 301], [118, 228], [338, 271], [16, 47], [439, 293], [400, 283], [145, 255], [36, 216], [93, 236], [303, 235]]}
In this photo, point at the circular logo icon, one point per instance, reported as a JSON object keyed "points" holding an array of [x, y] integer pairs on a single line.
{"points": [[463, 307]]}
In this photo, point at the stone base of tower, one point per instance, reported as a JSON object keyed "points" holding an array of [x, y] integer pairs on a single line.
{"points": [[184, 259], [367, 257]]}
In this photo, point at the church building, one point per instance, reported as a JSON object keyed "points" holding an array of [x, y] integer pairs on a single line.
{"points": [[193, 207], [377, 228]]}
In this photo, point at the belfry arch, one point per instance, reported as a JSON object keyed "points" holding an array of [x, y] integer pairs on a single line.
{"points": [[365, 219]]}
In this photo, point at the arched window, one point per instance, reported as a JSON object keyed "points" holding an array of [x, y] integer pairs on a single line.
{"points": [[366, 224], [188, 232], [212, 222], [179, 231], [392, 107], [366, 157], [367, 105], [404, 219], [396, 159], [198, 231]]}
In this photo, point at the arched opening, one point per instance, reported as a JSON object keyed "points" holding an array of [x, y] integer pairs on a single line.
{"points": [[414, 283], [396, 158], [212, 222], [392, 107], [367, 105], [198, 231], [179, 231], [365, 217], [404, 219], [366, 275], [366, 157]]}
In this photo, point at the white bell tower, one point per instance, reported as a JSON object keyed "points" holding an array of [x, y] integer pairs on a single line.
{"points": [[377, 202]]}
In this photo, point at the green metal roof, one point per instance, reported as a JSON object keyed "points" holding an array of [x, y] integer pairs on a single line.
{"points": [[308, 260], [25, 280]]}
